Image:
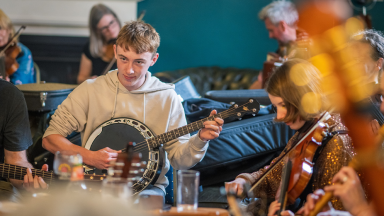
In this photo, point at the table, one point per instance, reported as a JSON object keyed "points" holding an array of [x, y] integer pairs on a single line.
{"points": [[199, 211]]}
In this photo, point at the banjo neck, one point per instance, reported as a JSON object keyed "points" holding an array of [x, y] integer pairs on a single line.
{"points": [[251, 107], [157, 141]]}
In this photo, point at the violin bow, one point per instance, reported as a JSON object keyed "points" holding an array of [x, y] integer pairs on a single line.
{"points": [[324, 116], [285, 177], [113, 61]]}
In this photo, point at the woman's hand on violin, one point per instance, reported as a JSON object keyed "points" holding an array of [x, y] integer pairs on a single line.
{"points": [[236, 186], [273, 208], [350, 192], [311, 201]]}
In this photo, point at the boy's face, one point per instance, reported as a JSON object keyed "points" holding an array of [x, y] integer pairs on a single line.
{"points": [[132, 67]]}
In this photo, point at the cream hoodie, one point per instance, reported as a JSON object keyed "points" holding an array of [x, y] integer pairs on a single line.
{"points": [[155, 103]]}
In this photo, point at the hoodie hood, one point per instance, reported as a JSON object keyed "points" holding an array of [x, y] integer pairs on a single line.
{"points": [[151, 84]]}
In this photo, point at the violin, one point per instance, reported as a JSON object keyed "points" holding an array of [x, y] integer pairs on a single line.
{"points": [[109, 52], [11, 51], [301, 155]]}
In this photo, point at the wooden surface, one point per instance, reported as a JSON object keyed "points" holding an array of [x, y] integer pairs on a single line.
{"points": [[199, 211]]}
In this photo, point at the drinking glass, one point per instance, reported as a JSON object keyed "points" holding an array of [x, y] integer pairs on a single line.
{"points": [[66, 162], [187, 190]]}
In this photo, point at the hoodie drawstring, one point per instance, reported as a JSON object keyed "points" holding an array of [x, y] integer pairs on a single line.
{"points": [[114, 106], [144, 109]]}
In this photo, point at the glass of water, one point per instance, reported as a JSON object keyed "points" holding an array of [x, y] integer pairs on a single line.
{"points": [[187, 190]]}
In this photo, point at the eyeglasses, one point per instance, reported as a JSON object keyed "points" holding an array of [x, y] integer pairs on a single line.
{"points": [[104, 29]]}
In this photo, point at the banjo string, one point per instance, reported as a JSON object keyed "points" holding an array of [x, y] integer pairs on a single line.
{"points": [[143, 145]]}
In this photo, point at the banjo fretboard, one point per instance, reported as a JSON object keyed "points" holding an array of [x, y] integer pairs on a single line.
{"points": [[158, 140]]}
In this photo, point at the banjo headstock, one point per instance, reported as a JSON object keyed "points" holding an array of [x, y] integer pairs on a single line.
{"points": [[250, 107]]}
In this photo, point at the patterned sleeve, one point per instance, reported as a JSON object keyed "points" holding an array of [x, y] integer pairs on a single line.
{"points": [[336, 154], [25, 73], [269, 186]]}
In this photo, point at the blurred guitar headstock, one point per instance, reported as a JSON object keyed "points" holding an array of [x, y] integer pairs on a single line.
{"points": [[344, 81], [128, 165]]}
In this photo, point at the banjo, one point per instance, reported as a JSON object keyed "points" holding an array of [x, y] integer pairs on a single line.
{"points": [[116, 133]]}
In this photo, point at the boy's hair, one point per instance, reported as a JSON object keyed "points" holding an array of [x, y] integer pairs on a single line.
{"points": [[139, 36]]}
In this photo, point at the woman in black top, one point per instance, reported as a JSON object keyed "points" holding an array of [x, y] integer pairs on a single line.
{"points": [[104, 27]]}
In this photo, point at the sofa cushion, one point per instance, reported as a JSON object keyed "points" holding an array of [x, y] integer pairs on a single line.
{"points": [[213, 78]]}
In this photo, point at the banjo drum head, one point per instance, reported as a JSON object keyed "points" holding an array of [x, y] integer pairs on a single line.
{"points": [[116, 134]]}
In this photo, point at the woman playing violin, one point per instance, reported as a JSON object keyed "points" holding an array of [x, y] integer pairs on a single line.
{"points": [[24, 72], [104, 27], [286, 89]]}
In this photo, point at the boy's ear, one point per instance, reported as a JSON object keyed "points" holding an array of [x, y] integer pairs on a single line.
{"points": [[115, 50], [154, 59]]}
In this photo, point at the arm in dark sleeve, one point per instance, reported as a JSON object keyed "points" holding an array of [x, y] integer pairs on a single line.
{"points": [[17, 133]]}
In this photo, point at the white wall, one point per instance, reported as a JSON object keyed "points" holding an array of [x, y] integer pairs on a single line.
{"points": [[61, 17]]}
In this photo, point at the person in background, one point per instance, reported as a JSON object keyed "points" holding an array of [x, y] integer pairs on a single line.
{"points": [[25, 73], [370, 44], [280, 19], [104, 26]]}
